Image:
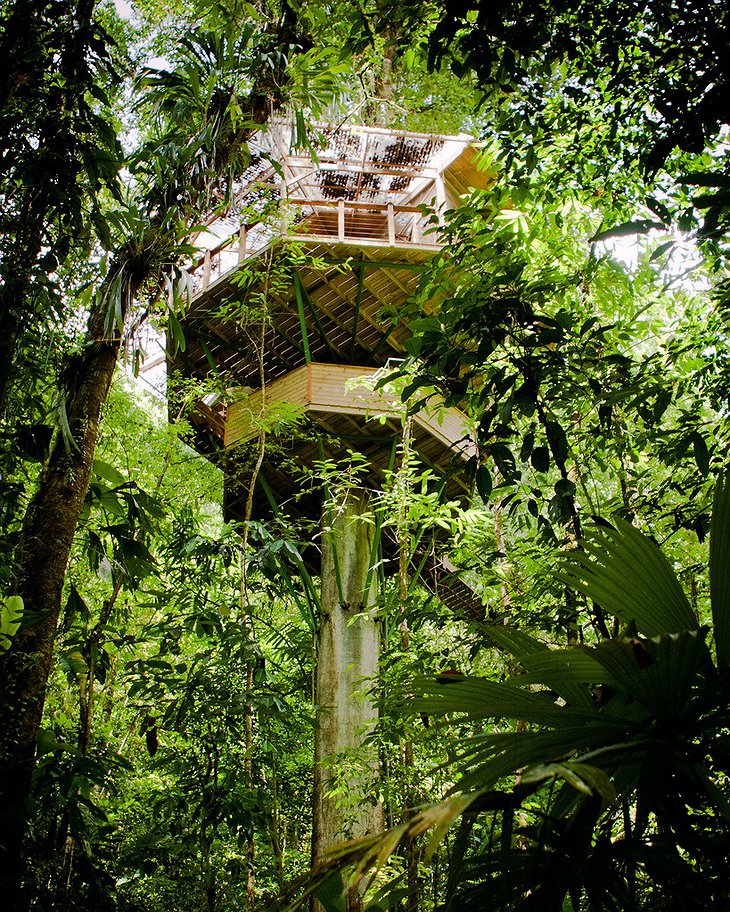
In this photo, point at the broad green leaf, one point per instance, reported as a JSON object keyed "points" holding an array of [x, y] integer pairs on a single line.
{"points": [[581, 776], [540, 459], [491, 758], [108, 472], [629, 577], [569, 672], [11, 613], [176, 332], [639, 226], [705, 179], [701, 453], [484, 483], [331, 894], [515, 641], [720, 569]]}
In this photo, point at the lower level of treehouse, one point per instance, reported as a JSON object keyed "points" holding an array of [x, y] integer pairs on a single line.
{"points": [[347, 399], [337, 414]]}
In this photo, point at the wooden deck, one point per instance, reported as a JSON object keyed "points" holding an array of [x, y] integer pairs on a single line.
{"points": [[365, 225]]}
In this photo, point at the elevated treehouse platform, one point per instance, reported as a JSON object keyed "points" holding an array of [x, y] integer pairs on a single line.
{"points": [[346, 232]]}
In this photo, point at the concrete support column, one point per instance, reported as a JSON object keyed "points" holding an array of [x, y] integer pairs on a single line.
{"points": [[349, 647]]}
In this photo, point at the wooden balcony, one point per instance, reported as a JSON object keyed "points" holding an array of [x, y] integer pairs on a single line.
{"points": [[377, 227]]}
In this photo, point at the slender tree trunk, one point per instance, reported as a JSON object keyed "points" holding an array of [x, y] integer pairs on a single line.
{"points": [[277, 845], [53, 513], [349, 648]]}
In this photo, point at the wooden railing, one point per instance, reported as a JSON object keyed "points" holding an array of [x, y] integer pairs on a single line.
{"points": [[334, 221]]}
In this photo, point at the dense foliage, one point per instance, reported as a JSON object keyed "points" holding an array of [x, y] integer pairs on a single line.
{"points": [[157, 665]]}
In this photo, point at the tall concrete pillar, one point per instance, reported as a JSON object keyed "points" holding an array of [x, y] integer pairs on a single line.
{"points": [[349, 647]]}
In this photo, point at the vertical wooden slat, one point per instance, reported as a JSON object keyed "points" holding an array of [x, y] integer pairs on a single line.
{"points": [[242, 238], [206, 269], [391, 225], [356, 315], [341, 220], [440, 202], [416, 228]]}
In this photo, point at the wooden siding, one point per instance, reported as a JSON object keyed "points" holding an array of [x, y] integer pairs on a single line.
{"points": [[333, 389]]}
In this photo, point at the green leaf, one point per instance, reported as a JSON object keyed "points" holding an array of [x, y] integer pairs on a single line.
{"points": [[581, 776], [569, 672], [720, 569], [661, 250], [705, 179], [515, 641], [108, 472], [701, 453], [478, 698], [540, 459], [492, 757], [659, 672], [176, 331], [75, 606], [11, 613], [331, 894], [483, 480], [627, 574]]}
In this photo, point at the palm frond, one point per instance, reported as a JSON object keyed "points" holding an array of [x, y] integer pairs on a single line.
{"points": [[630, 578]]}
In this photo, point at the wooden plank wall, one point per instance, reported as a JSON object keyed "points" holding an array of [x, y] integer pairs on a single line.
{"points": [[332, 389]]}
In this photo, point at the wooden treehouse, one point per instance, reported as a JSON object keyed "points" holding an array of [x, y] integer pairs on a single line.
{"points": [[354, 228], [292, 312]]}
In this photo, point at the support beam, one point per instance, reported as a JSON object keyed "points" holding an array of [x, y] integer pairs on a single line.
{"points": [[303, 296], [302, 319]]}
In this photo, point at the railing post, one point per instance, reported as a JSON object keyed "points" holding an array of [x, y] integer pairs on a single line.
{"points": [[391, 225], [340, 220], [242, 244], [206, 269], [416, 228]]}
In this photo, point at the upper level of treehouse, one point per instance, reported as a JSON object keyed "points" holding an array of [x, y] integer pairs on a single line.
{"points": [[362, 211], [361, 190]]}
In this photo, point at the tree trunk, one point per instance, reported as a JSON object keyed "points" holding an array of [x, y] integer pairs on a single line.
{"points": [[48, 531], [53, 513], [349, 647]]}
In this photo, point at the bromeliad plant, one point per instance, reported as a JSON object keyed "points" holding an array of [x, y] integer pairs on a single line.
{"points": [[612, 792]]}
